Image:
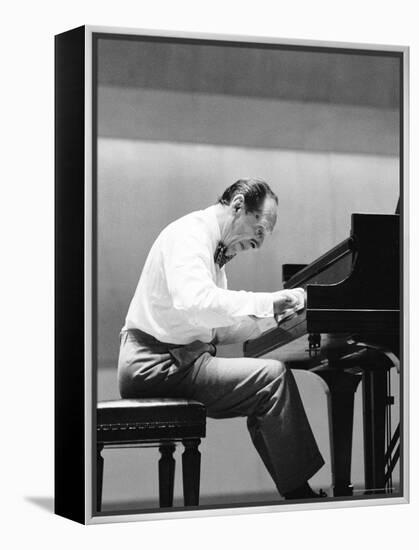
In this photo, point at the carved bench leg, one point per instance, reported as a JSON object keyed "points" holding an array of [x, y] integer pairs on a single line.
{"points": [[191, 471], [99, 477], [166, 475]]}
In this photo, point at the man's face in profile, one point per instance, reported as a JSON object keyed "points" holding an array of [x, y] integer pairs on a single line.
{"points": [[248, 229]]}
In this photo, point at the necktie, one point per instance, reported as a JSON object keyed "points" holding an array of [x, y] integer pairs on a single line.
{"points": [[220, 256]]}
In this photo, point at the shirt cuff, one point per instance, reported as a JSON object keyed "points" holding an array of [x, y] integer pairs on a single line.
{"points": [[264, 305]]}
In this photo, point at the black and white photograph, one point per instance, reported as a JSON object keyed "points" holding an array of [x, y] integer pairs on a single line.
{"points": [[209, 296], [247, 273]]}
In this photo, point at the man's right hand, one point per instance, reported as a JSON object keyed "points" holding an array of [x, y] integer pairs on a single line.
{"points": [[288, 301]]}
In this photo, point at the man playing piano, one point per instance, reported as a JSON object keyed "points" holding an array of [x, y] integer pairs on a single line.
{"points": [[182, 308]]}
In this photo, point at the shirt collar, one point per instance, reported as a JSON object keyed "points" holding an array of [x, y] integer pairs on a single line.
{"points": [[211, 218]]}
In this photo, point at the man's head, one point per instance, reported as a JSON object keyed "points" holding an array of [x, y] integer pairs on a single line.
{"points": [[250, 214]]}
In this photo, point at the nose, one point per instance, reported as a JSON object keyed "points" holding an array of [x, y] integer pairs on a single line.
{"points": [[259, 236], [259, 240]]}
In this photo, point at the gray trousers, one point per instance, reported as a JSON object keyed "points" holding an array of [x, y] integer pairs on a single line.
{"points": [[263, 390]]}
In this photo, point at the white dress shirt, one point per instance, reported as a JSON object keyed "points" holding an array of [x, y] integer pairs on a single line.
{"points": [[182, 294]]}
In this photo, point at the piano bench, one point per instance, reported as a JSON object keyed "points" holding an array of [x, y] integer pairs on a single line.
{"points": [[154, 422]]}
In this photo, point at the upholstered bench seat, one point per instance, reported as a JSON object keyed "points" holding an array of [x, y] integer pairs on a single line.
{"points": [[161, 422], [127, 420]]}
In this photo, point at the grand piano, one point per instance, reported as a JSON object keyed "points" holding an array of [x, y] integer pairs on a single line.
{"points": [[349, 333]]}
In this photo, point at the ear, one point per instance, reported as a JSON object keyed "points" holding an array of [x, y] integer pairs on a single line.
{"points": [[237, 204]]}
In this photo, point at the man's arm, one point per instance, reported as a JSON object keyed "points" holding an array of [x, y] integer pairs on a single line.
{"points": [[252, 327]]}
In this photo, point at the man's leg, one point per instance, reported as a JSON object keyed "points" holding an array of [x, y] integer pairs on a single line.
{"points": [[265, 391]]}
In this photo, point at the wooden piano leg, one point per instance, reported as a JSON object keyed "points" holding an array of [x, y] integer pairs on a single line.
{"points": [[374, 391], [342, 386]]}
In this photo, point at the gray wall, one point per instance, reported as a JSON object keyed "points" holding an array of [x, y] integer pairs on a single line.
{"points": [[178, 124]]}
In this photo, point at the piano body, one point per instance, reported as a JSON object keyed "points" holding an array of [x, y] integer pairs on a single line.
{"points": [[348, 332]]}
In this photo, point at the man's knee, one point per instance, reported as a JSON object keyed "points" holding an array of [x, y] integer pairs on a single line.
{"points": [[273, 370], [271, 383]]}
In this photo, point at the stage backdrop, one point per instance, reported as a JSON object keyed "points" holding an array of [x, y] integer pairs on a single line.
{"points": [[177, 124]]}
